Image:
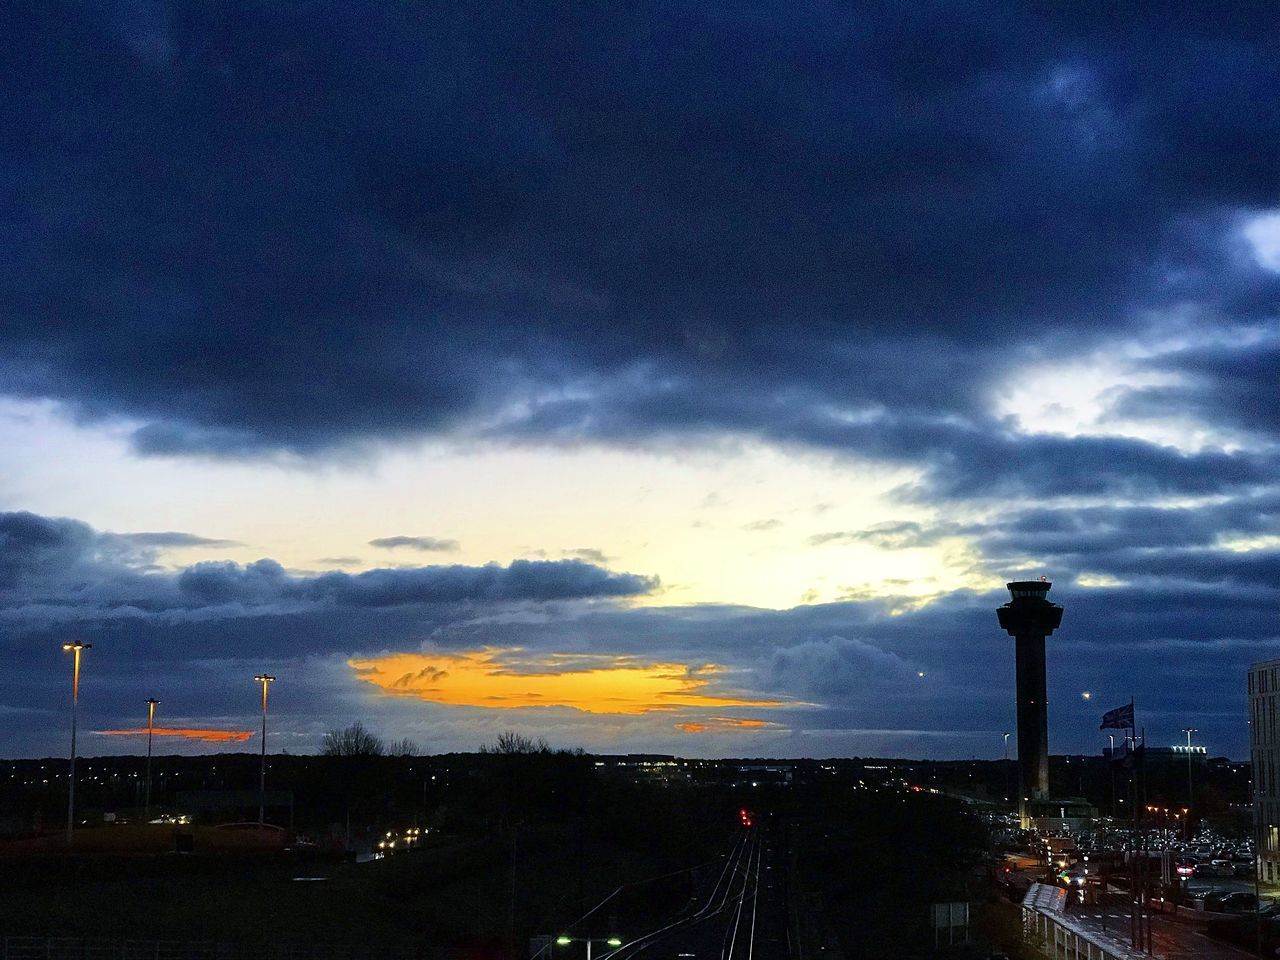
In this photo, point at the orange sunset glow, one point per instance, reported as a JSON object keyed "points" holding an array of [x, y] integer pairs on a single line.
{"points": [[723, 724], [497, 678], [204, 736]]}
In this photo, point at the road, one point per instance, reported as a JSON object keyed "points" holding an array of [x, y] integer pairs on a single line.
{"points": [[742, 916]]}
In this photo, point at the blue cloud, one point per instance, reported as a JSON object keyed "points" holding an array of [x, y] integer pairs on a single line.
{"points": [[699, 220]]}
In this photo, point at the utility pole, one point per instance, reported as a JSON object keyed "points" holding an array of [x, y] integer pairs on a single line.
{"points": [[1188, 731], [151, 722], [75, 648], [263, 679], [1007, 789], [1190, 795], [1112, 766]]}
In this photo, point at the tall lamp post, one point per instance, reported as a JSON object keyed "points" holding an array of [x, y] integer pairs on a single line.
{"points": [[263, 679], [151, 724], [1189, 731], [75, 648], [1008, 792], [1111, 757]]}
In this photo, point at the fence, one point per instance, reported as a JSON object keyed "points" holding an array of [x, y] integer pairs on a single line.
{"points": [[1046, 925], [96, 948]]}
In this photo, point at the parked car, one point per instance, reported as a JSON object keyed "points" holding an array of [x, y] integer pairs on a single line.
{"points": [[1236, 903]]}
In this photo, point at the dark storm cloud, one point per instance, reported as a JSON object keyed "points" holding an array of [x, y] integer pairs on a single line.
{"points": [[1231, 385], [425, 544], [31, 545], [1224, 539], [173, 538], [831, 667], [895, 535], [520, 580], [590, 554], [56, 572], [281, 228], [33, 548], [961, 459]]}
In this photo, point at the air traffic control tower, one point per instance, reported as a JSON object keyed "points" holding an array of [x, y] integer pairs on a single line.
{"points": [[1029, 617]]}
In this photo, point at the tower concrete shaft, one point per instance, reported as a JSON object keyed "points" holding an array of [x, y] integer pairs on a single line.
{"points": [[1029, 618], [1033, 718]]}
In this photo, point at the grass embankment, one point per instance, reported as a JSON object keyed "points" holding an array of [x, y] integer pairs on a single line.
{"points": [[453, 892]]}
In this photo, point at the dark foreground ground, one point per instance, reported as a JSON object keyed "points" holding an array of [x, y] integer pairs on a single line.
{"points": [[524, 850]]}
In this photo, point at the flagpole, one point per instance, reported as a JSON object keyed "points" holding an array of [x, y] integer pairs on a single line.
{"points": [[1135, 894], [1122, 718]]}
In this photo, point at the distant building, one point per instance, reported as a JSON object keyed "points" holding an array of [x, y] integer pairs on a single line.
{"points": [[1264, 751], [1175, 755]]}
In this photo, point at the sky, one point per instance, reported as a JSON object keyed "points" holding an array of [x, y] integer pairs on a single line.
{"points": [[682, 378]]}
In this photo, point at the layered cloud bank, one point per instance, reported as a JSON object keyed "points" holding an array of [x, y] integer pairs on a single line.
{"points": [[1159, 606], [841, 228], [1026, 262], [63, 570]]}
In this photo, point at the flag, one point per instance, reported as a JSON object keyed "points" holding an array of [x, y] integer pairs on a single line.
{"points": [[1120, 718]]}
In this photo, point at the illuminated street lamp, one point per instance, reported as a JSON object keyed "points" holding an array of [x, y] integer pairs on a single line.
{"points": [[1007, 789], [75, 648], [1189, 731], [263, 679], [1112, 765], [151, 723], [564, 941]]}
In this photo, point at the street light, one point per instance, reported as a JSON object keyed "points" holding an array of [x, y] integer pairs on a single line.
{"points": [[1112, 765], [263, 679], [1007, 790], [75, 647], [564, 941], [151, 723], [1189, 731]]}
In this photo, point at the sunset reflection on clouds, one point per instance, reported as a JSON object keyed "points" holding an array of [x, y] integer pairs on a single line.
{"points": [[203, 736], [507, 678]]}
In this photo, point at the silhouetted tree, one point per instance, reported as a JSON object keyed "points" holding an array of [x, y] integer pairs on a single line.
{"points": [[403, 748], [352, 741], [510, 742]]}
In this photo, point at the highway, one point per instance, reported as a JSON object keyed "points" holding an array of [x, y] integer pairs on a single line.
{"points": [[740, 916]]}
